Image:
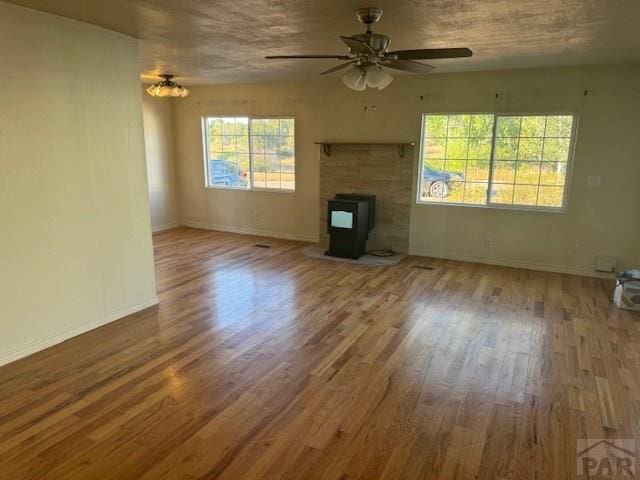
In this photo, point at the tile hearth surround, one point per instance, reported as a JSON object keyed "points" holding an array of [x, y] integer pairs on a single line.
{"points": [[375, 170]]}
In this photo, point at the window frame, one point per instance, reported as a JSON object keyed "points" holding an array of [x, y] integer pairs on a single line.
{"points": [[250, 187], [488, 203]]}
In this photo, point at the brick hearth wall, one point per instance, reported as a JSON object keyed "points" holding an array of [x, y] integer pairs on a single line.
{"points": [[376, 170]]}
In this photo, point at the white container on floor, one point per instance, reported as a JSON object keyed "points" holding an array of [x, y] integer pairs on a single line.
{"points": [[627, 295]]}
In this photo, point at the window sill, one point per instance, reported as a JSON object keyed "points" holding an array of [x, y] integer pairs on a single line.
{"points": [[493, 206], [249, 189]]}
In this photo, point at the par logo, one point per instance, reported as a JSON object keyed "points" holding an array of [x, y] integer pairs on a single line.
{"points": [[606, 458]]}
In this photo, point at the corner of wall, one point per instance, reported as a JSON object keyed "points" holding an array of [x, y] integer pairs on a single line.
{"points": [[162, 166]]}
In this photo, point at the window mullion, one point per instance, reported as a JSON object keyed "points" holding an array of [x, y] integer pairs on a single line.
{"points": [[446, 148], [517, 162], [466, 163], [235, 144], [279, 157], [207, 148], [251, 177], [492, 159], [544, 142]]}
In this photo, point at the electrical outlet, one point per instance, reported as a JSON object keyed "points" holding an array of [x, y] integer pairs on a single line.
{"points": [[593, 180], [488, 242]]}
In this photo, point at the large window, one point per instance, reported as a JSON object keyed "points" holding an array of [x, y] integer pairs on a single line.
{"points": [[520, 161], [249, 153]]}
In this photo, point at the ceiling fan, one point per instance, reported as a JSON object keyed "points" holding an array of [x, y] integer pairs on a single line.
{"points": [[369, 57]]}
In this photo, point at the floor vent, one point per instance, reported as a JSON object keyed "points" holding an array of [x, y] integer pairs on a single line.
{"points": [[423, 267], [262, 245]]}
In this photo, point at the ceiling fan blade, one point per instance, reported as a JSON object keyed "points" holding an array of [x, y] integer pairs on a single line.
{"points": [[409, 66], [334, 57], [432, 53], [339, 67], [357, 45]]}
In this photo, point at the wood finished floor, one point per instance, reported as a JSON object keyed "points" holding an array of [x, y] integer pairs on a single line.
{"points": [[260, 363]]}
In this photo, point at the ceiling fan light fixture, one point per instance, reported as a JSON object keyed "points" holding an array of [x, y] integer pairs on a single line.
{"points": [[378, 77], [370, 58], [167, 88], [355, 78]]}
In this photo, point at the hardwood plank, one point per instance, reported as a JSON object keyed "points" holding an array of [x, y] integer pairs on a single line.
{"points": [[264, 364]]}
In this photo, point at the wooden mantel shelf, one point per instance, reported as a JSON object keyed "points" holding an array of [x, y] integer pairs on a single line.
{"points": [[326, 146]]}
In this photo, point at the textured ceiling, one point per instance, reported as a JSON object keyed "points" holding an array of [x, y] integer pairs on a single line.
{"points": [[223, 41]]}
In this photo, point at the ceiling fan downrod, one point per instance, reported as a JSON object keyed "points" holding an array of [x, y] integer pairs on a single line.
{"points": [[368, 16]]}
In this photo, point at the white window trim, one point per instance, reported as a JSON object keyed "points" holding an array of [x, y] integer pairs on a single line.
{"points": [[502, 206], [250, 187]]}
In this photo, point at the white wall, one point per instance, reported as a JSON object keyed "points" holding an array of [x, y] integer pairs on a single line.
{"points": [[599, 220], [160, 154], [75, 246], [288, 215]]}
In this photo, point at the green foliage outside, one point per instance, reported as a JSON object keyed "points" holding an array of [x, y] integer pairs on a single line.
{"points": [[530, 157], [270, 141]]}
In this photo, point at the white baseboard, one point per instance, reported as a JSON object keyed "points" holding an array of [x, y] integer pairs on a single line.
{"points": [[250, 231], [449, 255], [165, 226], [60, 336]]}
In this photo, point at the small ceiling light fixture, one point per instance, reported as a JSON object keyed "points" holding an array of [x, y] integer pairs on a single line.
{"points": [[167, 88]]}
